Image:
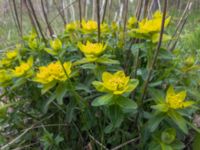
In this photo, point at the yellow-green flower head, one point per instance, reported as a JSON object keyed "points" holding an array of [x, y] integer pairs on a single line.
{"points": [[131, 22], [92, 50], [11, 54], [117, 83], [176, 100], [190, 61], [92, 26], [104, 27], [152, 25], [32, 35], [72, 26], [5, 77], [114, 26], [8, 58], [54, 72], [24, 69], [33, 44], [56, 44], [89, 26]]}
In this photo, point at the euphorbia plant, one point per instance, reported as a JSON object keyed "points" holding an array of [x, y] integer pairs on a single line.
{"points": [[84, 83]]}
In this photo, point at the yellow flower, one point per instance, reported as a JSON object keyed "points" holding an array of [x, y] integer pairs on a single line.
{"points": [[89, 26], [54, 72], [56, 44], [104, 27], [11, 54], [131, 22], [72, 26], [92, 50], [153, 25], [176, 100], [5, 77], [92, 26], [5, 63], [24, 69], [117, 83]]}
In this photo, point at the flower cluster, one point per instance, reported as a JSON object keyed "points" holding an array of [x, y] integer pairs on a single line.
{"points": [[54, 72], [150, 28], [117, 83], [8, 58], [176, 100], [92, 50], [24, 69]]}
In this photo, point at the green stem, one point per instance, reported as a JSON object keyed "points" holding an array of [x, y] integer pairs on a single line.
{"points": [[76, 95]]}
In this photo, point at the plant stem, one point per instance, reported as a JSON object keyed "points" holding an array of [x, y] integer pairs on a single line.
{"points": [[151, 67], [98, 19]]}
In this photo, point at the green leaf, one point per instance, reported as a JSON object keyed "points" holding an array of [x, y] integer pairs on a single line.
{"points": [[179, 120], [104, 60], [126, 103], [160, 107], [60, 92], [154, 122], [155, 38], [178, 145], [51, 51], [168, 136], [88, 66], [98, 85], [157, 95], [116, 117], [196, 142], [103, 100], [80, 62], [48, 102], [18, 83], [47, 87], [165, 146]]}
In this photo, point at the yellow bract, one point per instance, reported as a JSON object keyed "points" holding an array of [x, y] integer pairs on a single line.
{"points": [[117, 83], [53, 72], [56, 44], [152, 25], [8, 58], [92, 26], [11, 54], [5, 76], [24, 68], [89, 26], [72, 26], [176, 100], [92, 50], [131, 22]]}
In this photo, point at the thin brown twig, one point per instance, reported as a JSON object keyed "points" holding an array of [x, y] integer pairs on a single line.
{"points": [[97, 142], [17, 17], [80, 13], [31, 17], [180, 23], [98, 19], [53, 19], [60, 12], [36, 20], [151, 67], [46, 19], [14, 17], [104, 11], [125, 143]]}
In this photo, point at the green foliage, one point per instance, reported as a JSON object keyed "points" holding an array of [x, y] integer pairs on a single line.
{"points": [[75, 94]]}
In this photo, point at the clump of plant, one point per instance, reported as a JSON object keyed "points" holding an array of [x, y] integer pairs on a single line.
{"points": [[94, 85]]}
